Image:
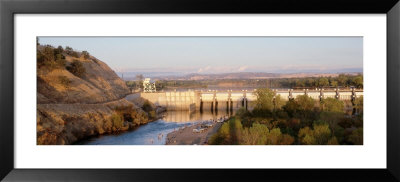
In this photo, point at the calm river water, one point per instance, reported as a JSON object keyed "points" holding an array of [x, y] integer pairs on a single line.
{"points": [[154, 133]]}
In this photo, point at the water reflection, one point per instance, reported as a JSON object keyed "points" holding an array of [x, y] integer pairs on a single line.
{"points": [[154, 133]]}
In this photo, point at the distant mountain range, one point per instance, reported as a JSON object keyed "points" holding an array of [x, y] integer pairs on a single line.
{"points": [[237, 75]]}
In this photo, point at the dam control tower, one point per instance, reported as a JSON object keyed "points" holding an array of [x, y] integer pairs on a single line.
{"points": [[149, 85]]}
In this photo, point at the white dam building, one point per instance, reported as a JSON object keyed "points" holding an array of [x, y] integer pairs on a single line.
{"points": [[149, 86]]}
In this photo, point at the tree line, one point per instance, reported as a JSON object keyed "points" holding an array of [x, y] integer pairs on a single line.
{"points": [[342, 80], [299, 121], [50, 58]]}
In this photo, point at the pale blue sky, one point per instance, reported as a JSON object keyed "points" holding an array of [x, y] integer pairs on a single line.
{"points": [[221, 54]]}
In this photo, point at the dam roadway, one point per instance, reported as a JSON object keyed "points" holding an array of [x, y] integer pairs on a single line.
{"points": [[215, 100]]}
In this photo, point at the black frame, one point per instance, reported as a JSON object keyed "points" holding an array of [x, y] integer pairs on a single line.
{"points": [[9, 8]]}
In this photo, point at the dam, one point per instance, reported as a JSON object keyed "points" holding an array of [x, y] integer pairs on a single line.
{"points": [[214, 100]]}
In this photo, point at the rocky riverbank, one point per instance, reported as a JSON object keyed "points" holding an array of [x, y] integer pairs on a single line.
{"points": [[186, 135], [60, 124]]}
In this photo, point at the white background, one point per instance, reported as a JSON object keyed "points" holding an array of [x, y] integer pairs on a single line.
{"points": [[371, 155]]}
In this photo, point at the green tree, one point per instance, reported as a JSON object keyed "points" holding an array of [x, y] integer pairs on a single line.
{"points": [[117, 121], [152, 115], [222, 136], [242, 112], [322, 133], [300, 83], [286, 140], [48, 54], [50, 58], [147, 107], [310, 82], [305, 102], [319, 135], [255, 135], [279, 102], [130, 84], [333, 141], [85, 54], [306, 136], [235, 127], [333, 105], [339, 133], [291, 107], [76, 68], [59, 50], [323, 82], [59, 57], [39, 58], [67, 48], [264, 100], [358, 81], [274, 136], [71, 52], [334, 83], [139, 117], [358, 104], [356, 136], [342, 80], [332, 118]]}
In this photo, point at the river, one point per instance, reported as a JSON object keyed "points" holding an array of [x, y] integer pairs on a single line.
{"points": [[154, 133]]}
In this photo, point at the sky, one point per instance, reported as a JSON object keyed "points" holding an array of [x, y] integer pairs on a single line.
{"points": [[221, 54]]}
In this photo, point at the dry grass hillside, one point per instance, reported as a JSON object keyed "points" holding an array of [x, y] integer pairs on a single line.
{"points": [[79, 96], [98, 84]]}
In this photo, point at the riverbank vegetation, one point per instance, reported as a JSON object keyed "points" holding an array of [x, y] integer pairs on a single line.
{"points": [[301, 121], [127, 117]]}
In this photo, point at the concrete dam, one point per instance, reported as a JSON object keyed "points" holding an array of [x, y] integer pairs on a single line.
{"points": [[231, 100]]}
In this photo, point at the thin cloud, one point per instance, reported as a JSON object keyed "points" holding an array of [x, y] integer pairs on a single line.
{"points": [[242, 68]]}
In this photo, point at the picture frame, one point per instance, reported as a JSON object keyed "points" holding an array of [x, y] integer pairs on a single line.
{"points": [[9, 8]]}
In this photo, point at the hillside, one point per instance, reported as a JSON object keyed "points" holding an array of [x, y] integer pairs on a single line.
{"points": [[79, 96], [98, 84]]}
